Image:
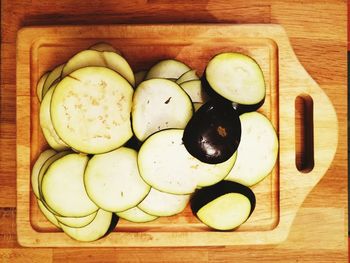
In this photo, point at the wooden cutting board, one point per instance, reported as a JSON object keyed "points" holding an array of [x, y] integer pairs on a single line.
{"points": [[298, 108]]}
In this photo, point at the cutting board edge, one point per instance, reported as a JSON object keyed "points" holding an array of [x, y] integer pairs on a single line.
{"points": [[311, 183]]}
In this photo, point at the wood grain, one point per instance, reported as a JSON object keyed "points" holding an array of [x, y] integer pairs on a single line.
{"points": [[135, 255], [26, 255], [317, 31]]}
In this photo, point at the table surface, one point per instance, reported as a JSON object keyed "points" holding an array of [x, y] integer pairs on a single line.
{"points": [[318, 33]]}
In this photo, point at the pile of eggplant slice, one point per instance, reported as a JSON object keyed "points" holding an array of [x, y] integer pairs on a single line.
{"points": [[143, 145]]}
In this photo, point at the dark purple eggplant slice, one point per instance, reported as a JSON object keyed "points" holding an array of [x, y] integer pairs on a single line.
{"points": [[213, 133]]}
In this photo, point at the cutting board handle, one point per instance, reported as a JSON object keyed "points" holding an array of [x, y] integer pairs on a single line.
{"points": [[309, 145], [318, 132], [304, 133], [308, 134]]}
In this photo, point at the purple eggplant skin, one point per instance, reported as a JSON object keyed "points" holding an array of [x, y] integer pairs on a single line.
{"points": [[133, 143], [240, 108], [114, 222], [243, 108], [213, 133], [207, 194]]}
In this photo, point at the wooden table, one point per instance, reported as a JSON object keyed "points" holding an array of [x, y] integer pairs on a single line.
{"points": [[317, 31]]}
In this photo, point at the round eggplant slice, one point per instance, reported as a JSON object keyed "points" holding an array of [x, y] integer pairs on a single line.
{"points": [[53, 77], [223, 206], [41, 174], [166, 165], [159, 203], [237, 78], [40, 85], [46, 124], [136, 215], [94, 58], [48, 215], [44, 168], [43, 157], [102, 46], [90, 110], [159, 104], [187, 76], [76, 221], [213, 133], [194, 89], [63, 187], [167, 69], [258, 146], [113, 182], [209, 174], [103, 224]]}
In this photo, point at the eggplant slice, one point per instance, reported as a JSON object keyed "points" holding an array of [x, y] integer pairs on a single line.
{"points": [[41, 174], [237, 78], [136, 215], [223, 206], [187, 76], [167, 69], [103, 223], [46, 125], [44, 168], [48, 214], [76, 221], [213, 133], [159, 104], [113, 182], [94, 58], [103, 46], [194, 89], [53, 77], [159, 203], [257, 152], [43, 157], [40, 85], [90, 110], [165, 164], [63, 187]]}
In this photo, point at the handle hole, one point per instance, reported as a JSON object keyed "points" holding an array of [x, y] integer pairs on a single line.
{"points": [[304, 133]]}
